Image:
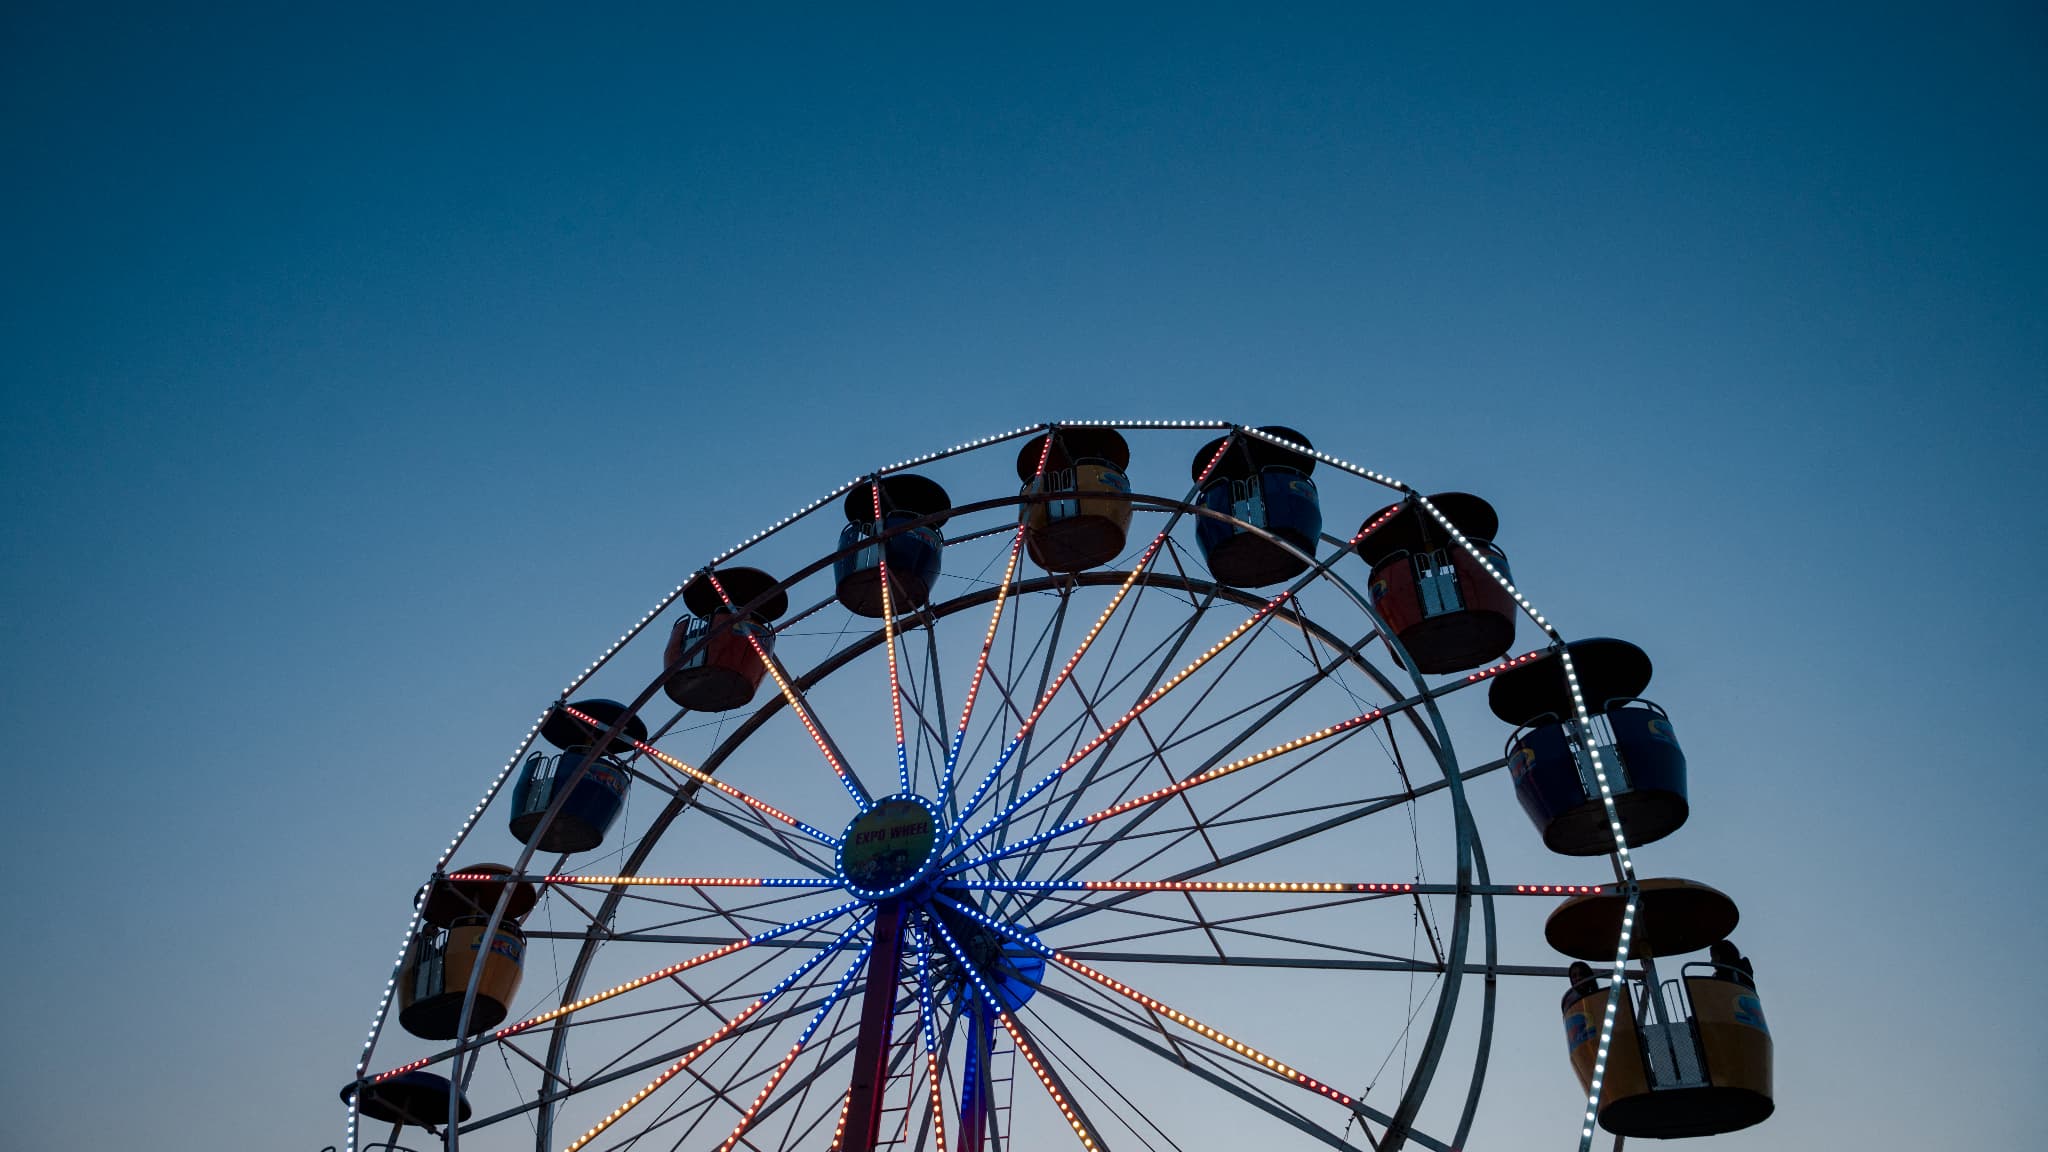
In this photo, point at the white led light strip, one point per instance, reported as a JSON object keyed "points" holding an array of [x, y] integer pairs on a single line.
{"points": [[1582, 714], [1583, 720]]}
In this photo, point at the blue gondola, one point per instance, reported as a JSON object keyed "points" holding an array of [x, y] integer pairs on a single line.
{"points": [[912, 548], [1266, 487], [1638, 750], [595, 796]]}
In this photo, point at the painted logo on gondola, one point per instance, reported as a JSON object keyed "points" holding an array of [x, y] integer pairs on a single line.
{"points": [[508, 947], [1749, 1010], [1578, 1030], [1660, 728], [1521, 763]]}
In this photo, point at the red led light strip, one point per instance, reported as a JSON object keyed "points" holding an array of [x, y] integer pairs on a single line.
{"points": [[402, 1069], [1059, 1099], [796, 702], [685, 881], [703, 777], [1382, 518], [1504, 665]]}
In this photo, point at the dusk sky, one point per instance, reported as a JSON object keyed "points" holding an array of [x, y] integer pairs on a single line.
{"points": [[369, 370]]}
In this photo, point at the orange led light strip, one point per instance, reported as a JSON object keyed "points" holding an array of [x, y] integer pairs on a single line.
{"points": [[810, 1029], [1059, 681], [796, 702], [931, 1077], [988, 641], [760, 1098], [1201, 1029], [726, 1030], [667, 1074], [839, 1129], [1138, 709], [1222, 770], [1058, 1098], [1162, 1008], [706, 778], [929, 1030], [628, 986], [889, 638], [1151, 797]]}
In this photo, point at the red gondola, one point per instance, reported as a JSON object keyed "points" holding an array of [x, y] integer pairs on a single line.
{"points": [[1449, 613], [712, 660]]}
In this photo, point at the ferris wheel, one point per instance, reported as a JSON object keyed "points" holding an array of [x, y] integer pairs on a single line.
{"points": [[1025, 794]]}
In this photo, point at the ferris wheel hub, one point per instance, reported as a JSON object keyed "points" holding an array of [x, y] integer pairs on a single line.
{"points": [[890, 848]]}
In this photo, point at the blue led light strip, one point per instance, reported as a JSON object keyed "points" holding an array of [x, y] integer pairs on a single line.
{"points": [[731, 1025], [810, 1029]]}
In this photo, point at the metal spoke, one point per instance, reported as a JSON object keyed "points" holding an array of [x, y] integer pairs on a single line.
{"points": [[995, 620], [799, 706], [889, 642], [703, 777], [1045, 698], [1054, 806]]}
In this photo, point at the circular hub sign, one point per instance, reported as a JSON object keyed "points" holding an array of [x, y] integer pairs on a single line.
{"points": [[889, 847]]}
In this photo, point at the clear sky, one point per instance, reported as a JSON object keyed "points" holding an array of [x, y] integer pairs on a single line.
{"points": [[367, 369]]}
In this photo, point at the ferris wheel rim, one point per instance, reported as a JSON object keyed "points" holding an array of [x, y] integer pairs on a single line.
{"points": [[651, 836]]}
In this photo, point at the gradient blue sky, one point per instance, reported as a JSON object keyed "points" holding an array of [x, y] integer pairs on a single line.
{"points": [[368, 368]]}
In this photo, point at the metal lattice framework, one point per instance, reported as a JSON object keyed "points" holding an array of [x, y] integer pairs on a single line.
{"points": [[1202, 863]]}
